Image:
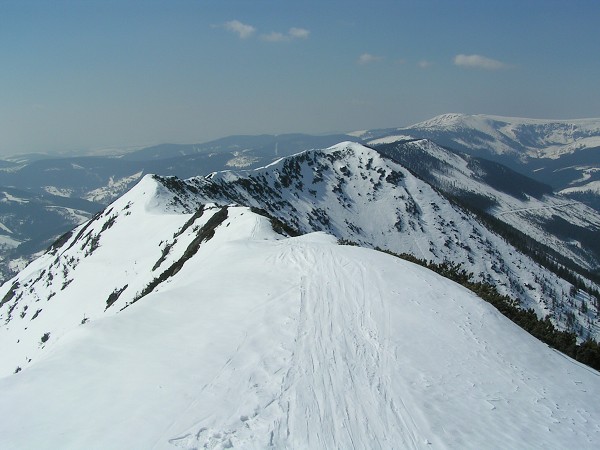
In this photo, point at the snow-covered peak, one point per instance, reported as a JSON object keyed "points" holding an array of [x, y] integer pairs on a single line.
{"points": [[347, 190], [510, 197]]}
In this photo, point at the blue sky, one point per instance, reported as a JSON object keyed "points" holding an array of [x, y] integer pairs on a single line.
{"points": [[89, 74]]}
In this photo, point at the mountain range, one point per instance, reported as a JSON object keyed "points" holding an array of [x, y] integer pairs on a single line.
{"points": [[222, 311], [561, 153]]}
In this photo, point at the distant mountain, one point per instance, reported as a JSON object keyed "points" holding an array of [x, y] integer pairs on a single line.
{"points": [[562, 153], [520, 138], [102, 179], [200, 322], [244, 150]]}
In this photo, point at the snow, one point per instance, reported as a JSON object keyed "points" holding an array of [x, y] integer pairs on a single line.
{"points": [[593, 186], [586, 173], [390, 139], [11, 198], [344, 190], [5, 228], [357, 134], [18, 264], [8, 242], [12, 169], [58, 191], [526, 214], [241, 161], [113, 189], [73, 215], [264, 342]]}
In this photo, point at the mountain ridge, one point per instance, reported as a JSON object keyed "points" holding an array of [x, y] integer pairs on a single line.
{"points": [[220, 330], [562, 153], [533, 138], [354, 194]]}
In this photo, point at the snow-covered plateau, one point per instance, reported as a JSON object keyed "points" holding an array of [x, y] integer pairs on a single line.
{"points": [[534, 138], [179, 318]]}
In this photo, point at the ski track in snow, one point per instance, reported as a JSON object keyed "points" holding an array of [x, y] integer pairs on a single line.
{"points": [[334, 344], [335, 385], [309, 345]]}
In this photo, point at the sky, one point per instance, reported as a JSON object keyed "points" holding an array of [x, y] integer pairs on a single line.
{"points": [[96, 74]]}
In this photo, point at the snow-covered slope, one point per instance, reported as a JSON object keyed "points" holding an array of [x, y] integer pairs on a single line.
{"points": [[102, 179], [560, 223], [593, 187], [255, 340]]}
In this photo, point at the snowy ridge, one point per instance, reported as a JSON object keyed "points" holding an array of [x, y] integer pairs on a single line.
{"points": [[561, 153], [349, 191], [113, 189], [261, 341]]}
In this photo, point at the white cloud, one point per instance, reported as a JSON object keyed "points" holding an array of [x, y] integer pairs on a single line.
{"points": [[274, 37], [478, 62], [293, 33], [424, 64], [298, 33], [243, 30], [367, 58]]}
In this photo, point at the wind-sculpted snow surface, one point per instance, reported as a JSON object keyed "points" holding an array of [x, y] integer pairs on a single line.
{"points": [[113, 253], [262, 342]]}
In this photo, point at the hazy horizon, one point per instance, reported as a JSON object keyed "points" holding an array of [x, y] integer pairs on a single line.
{"points": [[80, 76]]}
